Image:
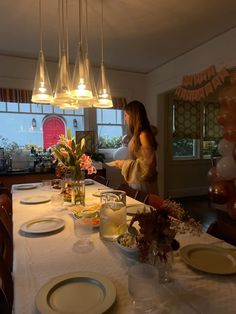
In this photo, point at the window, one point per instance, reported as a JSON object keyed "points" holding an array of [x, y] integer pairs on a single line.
{"points": [[110, 127], [16, 122], [196, 131]]}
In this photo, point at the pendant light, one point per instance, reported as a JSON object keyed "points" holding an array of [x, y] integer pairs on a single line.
{"points": [[103, 89], [62, 93], [42, 91], [91, 102], [81, 86]]}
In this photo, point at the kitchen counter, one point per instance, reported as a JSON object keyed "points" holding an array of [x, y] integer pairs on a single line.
{"points": [[7, 178]]}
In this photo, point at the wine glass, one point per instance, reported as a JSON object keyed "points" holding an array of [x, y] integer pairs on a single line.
{"points": [[83, 227]]}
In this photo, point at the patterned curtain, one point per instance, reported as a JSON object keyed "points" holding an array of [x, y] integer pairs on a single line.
{"points": [[213, 130], [15, 95], [24, 96], [187, 120]]}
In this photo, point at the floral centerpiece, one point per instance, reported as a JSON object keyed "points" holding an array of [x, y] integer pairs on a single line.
{"points": [[158, 228], [71, 160]]}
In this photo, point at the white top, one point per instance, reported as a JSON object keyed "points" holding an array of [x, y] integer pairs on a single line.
{"points": [[38, 259]]}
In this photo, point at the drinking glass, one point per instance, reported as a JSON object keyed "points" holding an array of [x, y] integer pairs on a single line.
{"points": [[142, 285], [83, 227], [46, 185], [112, 214], [57, 201]]}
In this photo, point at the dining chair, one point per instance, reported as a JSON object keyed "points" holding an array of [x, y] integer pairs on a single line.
{"points": [[101, 179], [5, 190], [154, 200], [223, 230], [6, 246], [129, 191], [6, 289], [6, 202], [142, 196], [6, 220]]}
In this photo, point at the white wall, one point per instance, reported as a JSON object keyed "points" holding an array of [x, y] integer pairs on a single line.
{"points": [[221, 51]]}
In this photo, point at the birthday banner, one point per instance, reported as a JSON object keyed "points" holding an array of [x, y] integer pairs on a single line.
{"points": [[200, 85]]}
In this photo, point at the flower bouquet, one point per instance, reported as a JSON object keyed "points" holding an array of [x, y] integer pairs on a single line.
{"points": [[71, 162], [155, 238]]}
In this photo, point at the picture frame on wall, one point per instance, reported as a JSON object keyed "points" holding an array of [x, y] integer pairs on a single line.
{"points": [[89, 137]]}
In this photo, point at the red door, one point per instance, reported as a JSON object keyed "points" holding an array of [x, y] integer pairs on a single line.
{"points": [[52, 128]]}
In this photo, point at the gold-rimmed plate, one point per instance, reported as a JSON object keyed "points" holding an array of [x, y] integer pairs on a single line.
{"points": [[43, 225], [35, 199], [209, 258], [25, 187], [76, 293]]}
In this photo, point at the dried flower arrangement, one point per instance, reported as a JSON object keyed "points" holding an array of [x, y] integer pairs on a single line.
{"points": [[158, 228]]}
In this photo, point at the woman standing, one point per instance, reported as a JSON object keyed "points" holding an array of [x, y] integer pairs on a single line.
{"points": [[139, 170]]}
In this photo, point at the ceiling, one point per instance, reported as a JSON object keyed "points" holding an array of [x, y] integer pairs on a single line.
{"points": [[139, 35]]}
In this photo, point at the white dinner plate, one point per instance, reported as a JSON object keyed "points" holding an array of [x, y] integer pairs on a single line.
{"points": [[134, 208], [209, 258], [26, 187], [36, 199], [76, 293], [88, 182], [43, 225]]}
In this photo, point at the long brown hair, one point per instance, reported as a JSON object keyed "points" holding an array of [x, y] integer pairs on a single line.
{"points": [[138, 122]]}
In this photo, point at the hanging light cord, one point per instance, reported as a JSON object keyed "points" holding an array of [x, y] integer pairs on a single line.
{"points": [[86, 29], [40, 25], [102, 35], [80, 22]]}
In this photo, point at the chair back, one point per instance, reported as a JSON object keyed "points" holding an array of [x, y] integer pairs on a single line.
{"points": [[129, 191], [6, 289], [6, 246], [101, 180], [224, 231], [142, 197], [6, 202]]}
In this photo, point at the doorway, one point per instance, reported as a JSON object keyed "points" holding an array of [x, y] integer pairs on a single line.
{"points": [[53, 127]]}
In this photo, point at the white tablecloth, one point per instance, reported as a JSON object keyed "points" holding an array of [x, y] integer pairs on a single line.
{"points": [[37, 259]]}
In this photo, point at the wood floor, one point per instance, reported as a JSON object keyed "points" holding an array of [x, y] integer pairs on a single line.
{"points": [[198, 207]]}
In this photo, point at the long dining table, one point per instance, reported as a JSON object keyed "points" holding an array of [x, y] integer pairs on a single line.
{"points": [[39, 258]]}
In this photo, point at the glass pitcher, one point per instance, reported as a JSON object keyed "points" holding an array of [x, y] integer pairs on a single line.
{"points": [[112, 214]]}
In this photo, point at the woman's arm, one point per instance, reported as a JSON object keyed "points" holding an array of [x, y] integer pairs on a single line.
{"points": [[144, 167]]}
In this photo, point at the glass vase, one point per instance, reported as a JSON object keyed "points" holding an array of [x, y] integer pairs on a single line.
{"points": [[74, 188], [78, 192], [162, 257]]}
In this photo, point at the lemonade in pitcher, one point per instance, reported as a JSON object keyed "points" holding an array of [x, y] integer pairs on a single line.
{"points": [[112, 214]]}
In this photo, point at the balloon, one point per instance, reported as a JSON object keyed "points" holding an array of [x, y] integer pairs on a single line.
{"points": [[225, 148], [121, 153], [226, 168], [230, 132], [213, 176], [218, 192]]}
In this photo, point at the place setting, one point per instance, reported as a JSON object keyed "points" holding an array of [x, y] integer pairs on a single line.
{"points": [[77, 292], [42, 226], [22, 187], [35, 199]]}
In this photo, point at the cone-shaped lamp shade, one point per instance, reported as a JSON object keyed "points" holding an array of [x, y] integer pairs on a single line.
{"points": [[42, 91], [62, 92], [81, 86], [103, 90], [91, 102]]}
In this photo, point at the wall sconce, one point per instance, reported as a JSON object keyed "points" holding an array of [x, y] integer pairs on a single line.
{"points": [[75, 123], [34, 124]]}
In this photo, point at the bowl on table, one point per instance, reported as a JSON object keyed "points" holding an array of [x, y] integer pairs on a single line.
{"points": [[127, 243]]}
